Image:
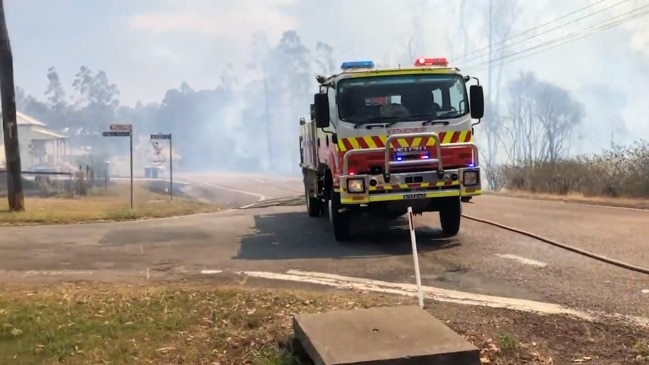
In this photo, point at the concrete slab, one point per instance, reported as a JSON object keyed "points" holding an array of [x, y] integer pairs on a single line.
{"points": [[387, 336]]}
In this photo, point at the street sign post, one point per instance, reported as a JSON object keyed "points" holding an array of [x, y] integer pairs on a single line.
{"points": [[123, 130], [116, 134], [121, 127], [171, 168]]}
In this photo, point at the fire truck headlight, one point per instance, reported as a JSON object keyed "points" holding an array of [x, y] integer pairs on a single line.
{"points": [[356, 185], [470, 178]]}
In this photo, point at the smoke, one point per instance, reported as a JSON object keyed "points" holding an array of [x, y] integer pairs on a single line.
{"points": [[251, 65]]}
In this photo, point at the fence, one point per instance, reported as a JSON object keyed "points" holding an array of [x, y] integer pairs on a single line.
{"points": [[50, 183]]}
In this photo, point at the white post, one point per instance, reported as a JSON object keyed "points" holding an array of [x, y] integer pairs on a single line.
{"points": [[415, 256]]}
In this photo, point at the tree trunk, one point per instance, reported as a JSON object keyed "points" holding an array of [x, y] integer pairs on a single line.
{"points": [[9, 122]]}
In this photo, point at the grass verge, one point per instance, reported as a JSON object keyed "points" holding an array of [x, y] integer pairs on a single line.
{"points": [[102, 206], [577, 199], [192, 324]]}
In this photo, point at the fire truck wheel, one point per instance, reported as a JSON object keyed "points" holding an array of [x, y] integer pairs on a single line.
{"points": [[450, 216], [313, 205], [341, 222]]}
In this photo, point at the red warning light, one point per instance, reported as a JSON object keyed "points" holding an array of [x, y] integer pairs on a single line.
{"points": [[441, 61]]}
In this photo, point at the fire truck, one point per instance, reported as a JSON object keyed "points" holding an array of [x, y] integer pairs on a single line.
{"points": [[382, 140]]}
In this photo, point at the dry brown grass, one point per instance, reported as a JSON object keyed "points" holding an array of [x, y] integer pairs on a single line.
{"points": [[101, 206], [577, 198], [199, 324], [619, 176]]}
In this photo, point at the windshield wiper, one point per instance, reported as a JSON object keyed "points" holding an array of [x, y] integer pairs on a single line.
{"points": [[449, 114], [376, 121], [429, 119], [434, 121]]}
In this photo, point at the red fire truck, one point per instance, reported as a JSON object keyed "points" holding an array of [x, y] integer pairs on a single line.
{"points": [[382, 140]]}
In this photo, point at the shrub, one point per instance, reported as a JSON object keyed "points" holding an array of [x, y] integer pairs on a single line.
{"points": [[617, 172]]}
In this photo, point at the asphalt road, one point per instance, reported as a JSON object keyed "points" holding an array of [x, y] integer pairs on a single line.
{"points": [[481, 259]]}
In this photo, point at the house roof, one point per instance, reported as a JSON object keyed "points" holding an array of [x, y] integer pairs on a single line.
{"points": [[47, 134], [24, 119], [38, 128]]}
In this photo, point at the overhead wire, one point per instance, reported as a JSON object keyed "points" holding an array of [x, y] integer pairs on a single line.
{"points": [[569, 38], [529, 30], [464, 59]]}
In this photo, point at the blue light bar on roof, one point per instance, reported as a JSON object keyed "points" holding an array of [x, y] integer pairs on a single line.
{"points": [[357, 64]]}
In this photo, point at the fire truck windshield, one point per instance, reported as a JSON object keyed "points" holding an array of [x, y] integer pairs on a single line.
{"points": [[406, 97]]}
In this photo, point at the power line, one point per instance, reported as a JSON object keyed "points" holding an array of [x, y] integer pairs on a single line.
{"points": [[568, 38], [529, 30], [547, 31]]}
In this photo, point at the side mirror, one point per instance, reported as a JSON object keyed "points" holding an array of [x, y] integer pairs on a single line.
{"points": [[476, 97], [321, 110], [302, 121]]}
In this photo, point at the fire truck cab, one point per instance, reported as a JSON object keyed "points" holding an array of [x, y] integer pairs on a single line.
{"points": [[382, 140]]}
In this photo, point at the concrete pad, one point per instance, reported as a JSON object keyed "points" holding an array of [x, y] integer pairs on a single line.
{"points": [[387, 336]]}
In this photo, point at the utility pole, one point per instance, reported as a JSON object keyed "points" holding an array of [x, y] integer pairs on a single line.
{"points": [[9, 121], [490, 49], [269, 141]]}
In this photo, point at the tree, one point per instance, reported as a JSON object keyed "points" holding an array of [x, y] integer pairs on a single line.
{"points": [[324, 58], [542, 120], [499, 24], [54, 91], [98, 101], [290, 77], [9, 121], [55, 94], [494, 22], [559, 115]]}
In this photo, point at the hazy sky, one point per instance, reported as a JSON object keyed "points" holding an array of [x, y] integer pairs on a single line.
{"points": [[148, 46]]}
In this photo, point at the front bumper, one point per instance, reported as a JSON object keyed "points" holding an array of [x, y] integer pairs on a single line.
{"points": [[403, 187], [438, 183]]}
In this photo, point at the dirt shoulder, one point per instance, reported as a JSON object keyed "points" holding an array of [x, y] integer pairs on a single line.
{"points": [[577, 199], [233, 323], [101, 205]]}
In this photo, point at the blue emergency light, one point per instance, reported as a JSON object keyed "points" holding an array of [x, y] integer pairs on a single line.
{"points": [[403, 156], [350, 65]]}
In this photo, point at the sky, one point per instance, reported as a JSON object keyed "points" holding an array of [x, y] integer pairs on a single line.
{"points": [[149, 46]]}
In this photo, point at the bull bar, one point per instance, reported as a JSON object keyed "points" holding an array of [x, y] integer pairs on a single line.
{"points": [[388, 160]]}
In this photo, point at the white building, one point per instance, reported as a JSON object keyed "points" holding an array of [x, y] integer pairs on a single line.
{"points": [[39, 147]]}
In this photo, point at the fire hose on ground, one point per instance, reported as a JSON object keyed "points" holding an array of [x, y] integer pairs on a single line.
{"points": [[298, 200], [604, 259]]}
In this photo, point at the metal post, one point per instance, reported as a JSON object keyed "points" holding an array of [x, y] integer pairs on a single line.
{"points": [[171, 168], [269, 142], [130, 136]]}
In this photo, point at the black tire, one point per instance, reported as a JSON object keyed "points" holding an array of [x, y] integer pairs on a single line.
{"points": [[450, 216], [340, 222], [313, 205]]}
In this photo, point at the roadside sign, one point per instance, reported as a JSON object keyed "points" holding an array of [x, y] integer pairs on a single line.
{"points": [[116, 134], [121, 127], [123, 130], [171, 161]]}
